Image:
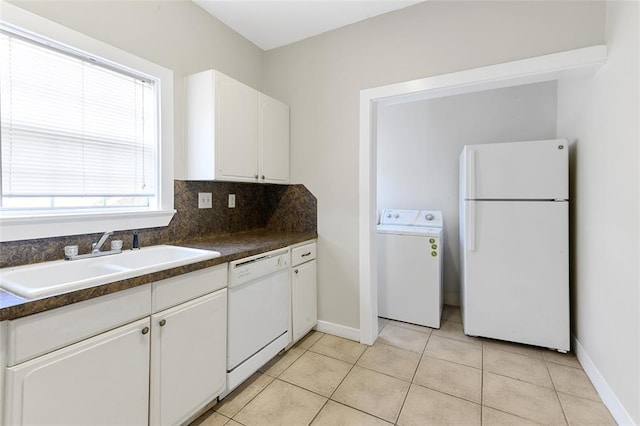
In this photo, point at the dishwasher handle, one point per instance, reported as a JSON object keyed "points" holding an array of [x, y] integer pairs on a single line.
{"points": [[252, 269], [257, 259]]}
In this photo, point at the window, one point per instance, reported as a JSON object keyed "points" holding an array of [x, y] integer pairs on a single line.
{"points": [[75, 133], [85, 133]]}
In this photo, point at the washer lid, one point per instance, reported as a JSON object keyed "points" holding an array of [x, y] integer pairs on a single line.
{"points": [[419, 231], [426, 218]]}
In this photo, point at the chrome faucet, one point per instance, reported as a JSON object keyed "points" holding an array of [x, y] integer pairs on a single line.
{"points": [[95, 247], [71, 252]]}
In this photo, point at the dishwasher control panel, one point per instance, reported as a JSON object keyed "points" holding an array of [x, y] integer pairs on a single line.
{"points": [[254, 267]]}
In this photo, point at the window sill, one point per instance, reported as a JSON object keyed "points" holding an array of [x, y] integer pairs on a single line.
{"points": [[44, 226]]}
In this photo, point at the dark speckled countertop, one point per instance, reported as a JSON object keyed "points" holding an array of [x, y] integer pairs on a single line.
{"points": [[231, 247]]}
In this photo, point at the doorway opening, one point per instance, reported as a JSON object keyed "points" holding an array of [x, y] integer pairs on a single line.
{"points": [[540, 69]]}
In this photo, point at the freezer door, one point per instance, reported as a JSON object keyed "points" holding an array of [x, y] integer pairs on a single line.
{"points": [[536, 170], [516, 272]]}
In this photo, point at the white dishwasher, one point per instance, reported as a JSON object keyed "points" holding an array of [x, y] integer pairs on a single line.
{"points": [[259, 306]]}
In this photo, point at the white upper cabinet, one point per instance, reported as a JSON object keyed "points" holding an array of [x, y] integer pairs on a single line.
{"points": [[274, 140], [236, 138], [234, 132]]}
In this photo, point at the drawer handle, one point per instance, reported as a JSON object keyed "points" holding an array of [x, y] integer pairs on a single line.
{"points": [[306, 254], [145, 330], [162, 322], [295, 270]]}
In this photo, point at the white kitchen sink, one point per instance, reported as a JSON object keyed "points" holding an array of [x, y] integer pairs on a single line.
{"points": [[61, 276]]}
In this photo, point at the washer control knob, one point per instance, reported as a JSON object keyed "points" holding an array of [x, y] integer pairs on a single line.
{"points": [[396, 215], [388, 214], [429, 217]]}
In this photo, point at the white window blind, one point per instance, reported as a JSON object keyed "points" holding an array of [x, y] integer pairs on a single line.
{"points": [[75, 132]]}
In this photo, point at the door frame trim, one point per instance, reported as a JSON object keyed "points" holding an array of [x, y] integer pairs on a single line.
{"points": [[569, 64]]}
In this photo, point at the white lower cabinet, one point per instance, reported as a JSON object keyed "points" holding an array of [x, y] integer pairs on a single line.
{"points": [[103, 380], [188, 358], [305, 300], [151, 355], [304, 291]]}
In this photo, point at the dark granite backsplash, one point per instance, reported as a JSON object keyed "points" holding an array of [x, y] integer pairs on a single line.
{"points": [[258, 206]]}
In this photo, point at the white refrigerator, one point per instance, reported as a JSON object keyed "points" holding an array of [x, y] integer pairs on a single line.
{"points": [[514, 242]]}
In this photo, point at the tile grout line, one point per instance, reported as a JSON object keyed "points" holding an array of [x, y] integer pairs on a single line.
{"points": [[330, 398], [507, 349], [413, 377], [482, 383], [319, 411], [449, 360], [555, 390], [515, 415], [520, 380], [262, 390], [304, 350]]}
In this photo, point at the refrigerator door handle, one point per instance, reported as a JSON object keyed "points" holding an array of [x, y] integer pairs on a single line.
{"points": [[471, 226], [471, 174]]}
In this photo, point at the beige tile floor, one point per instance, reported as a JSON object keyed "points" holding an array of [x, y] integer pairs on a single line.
{"points": [[414, 376]]}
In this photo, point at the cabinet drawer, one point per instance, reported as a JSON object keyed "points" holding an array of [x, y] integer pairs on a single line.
{"points": [[41, 333], [182, 288], [303, 253]]}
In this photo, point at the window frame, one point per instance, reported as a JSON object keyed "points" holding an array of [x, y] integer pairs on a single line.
{"points": [[50, 224]]}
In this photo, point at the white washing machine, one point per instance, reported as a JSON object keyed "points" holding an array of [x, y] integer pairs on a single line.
{"points": [[410, 266]]}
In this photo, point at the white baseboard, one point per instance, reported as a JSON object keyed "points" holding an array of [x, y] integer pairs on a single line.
{"points": [[609, 398], [339, 330]]}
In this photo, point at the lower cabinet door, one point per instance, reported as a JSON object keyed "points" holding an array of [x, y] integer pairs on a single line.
{"points": [[188, 358], [103, 380], [304, 298]]}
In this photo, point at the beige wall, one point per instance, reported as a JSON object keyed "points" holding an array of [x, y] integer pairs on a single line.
{"points": [[175, 34], [320, 78], [603, 115]]}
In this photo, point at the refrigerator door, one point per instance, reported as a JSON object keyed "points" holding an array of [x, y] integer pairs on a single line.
{"points": [[536, 170], [515, 272]]}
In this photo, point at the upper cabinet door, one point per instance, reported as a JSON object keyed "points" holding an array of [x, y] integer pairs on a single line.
{"points": [[236, 130], [274, 140]]}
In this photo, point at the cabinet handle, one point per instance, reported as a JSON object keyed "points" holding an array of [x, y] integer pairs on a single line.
{"points": [[255, 176], [145, 330], [306, 254], [262, 177], [295, 270], [162, 322]]}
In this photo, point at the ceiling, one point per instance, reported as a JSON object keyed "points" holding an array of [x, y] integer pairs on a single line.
{"points": [[270, 23]]}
